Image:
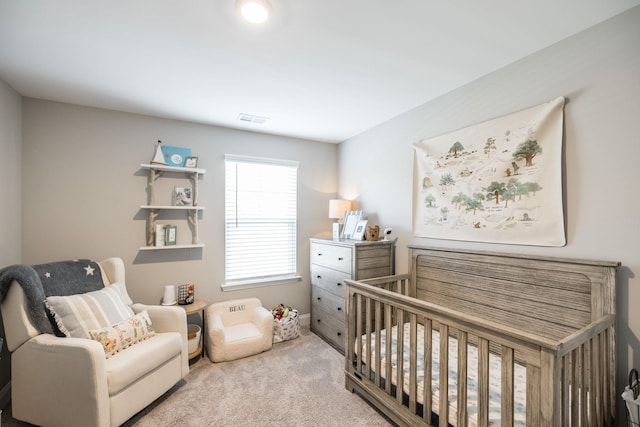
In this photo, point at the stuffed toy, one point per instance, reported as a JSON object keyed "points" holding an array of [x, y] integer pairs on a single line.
{"points": [[373, 233], [280, 311]]}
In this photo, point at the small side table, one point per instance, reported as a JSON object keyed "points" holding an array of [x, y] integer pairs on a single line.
{"points": [[196, 306]]}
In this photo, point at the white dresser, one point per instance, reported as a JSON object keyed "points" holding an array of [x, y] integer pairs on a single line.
{"points": [[333, 261]]}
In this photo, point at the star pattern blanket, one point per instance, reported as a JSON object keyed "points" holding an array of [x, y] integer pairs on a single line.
{"points": [[57, 278]]}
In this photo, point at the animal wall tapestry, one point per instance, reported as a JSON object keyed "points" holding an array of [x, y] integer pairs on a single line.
{"points": [[499, 181]]}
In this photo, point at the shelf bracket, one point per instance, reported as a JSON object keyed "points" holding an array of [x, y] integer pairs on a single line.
{"points": [[151, 227]]}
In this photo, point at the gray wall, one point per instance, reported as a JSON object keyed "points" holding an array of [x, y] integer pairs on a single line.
{"points": [[83, 188], [10, 199], [598, 71]]}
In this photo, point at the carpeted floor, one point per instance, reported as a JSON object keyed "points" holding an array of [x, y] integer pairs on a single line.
{"points": [[298, 383]]}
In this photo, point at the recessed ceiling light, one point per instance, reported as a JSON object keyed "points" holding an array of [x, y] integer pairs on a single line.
{"points": [[254, 11]]}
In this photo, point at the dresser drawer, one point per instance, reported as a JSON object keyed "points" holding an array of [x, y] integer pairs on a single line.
{"points": [[328, 327], [328, 302], [331, 256], [329, 280]]}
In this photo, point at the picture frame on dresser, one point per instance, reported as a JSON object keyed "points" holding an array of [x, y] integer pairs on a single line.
{"points": [[350, 222], [361, 228]]}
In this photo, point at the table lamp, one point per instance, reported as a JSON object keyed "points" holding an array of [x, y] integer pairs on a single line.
{"points": [[337, 208]]}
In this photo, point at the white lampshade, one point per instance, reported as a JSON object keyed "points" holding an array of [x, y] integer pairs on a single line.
{"points": [[254, 11], [337, 208]]}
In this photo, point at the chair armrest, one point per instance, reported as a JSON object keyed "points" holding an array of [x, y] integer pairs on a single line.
{"points": [[61, 373], [165, 318], [263, 319], [215, 328], [169, 319]]}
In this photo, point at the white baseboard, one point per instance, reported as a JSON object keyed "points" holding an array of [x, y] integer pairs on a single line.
{"points": [[305, 320]]}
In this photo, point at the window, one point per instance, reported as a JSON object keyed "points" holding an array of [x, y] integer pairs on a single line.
{"points": [[260, 221]]}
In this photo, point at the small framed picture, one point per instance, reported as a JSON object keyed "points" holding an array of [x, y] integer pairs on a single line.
{"points": [[351, 219], [171, 234], [191, 162], [182, 196], [361, 228]]}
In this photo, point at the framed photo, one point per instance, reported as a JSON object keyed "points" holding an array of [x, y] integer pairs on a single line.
{"points": [[160, 234], [182, 196], [361, 228], [191, 162], [351, 219], [170, 235]]}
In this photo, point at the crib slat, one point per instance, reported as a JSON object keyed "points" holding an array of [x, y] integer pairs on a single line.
{"points": [[378, 328], [533, 395], [367, 321], [399, 355], [506, 395], [413, 358], [443, 406], [605, 377], [387, 349], [462, 378], [358, 316], [598, 376], [575, 388], [483, 382], [591, 373], [583, 386], [428, 359], [564, 390]]}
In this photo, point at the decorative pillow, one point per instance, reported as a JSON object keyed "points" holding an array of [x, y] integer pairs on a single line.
{"points": [[124, 334], [76, 315]]}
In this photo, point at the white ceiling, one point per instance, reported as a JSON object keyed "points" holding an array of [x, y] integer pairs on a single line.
{"points": [[320, 69]]}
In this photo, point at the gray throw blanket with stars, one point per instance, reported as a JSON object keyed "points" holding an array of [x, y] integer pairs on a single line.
{"points": [[43, 280]]}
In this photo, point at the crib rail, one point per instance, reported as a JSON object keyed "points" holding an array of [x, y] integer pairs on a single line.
{"points": [[567, 382]]}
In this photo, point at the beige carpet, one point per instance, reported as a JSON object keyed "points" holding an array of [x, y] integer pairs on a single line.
{"points": [[298, 383]]}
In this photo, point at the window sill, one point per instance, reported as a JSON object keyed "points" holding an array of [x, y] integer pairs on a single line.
{"points": [[258, 283]]}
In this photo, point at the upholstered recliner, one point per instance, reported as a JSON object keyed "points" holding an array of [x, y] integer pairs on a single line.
{"points": [[238, 328], [68, 381]]}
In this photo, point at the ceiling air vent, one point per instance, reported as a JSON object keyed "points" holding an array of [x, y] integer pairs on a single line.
{"points": [[248, 118]]}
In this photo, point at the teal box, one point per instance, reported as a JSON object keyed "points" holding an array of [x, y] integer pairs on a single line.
{"points": [[175, 156]]}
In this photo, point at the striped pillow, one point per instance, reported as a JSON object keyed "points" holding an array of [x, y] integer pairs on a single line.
{"points": [[76, 315]]}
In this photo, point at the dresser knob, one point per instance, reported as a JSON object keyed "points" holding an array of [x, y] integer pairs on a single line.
{"points": [[319, 299], [340, 259], [339, 284], [339, 308], [339, 334], [318, 277]]}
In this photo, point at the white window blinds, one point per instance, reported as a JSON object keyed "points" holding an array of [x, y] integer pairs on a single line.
{"points": [[260, 219]]}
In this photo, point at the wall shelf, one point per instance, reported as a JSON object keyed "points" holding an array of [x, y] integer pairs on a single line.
{"points": [[159, 248], [155, 172]]}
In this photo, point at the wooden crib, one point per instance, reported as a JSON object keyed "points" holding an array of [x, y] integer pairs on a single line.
{"points": [[532, 339]]}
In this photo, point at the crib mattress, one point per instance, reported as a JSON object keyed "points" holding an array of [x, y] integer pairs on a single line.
{"points": [[519, 374]]}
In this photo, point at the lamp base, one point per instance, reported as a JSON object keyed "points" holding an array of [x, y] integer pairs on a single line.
{"points": [[336, 230]]}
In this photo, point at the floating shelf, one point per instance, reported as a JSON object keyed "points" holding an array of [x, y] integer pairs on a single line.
{"points": [[159, 248], [193, 208], [173, 169]]}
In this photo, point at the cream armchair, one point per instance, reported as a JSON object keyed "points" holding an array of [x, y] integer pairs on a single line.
{"points": [[65, 381], [238, 328]]}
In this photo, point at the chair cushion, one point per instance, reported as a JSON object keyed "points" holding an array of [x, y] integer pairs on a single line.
{"points": [[127, 366], [124, 334], [242, 332], [76, 315]]}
